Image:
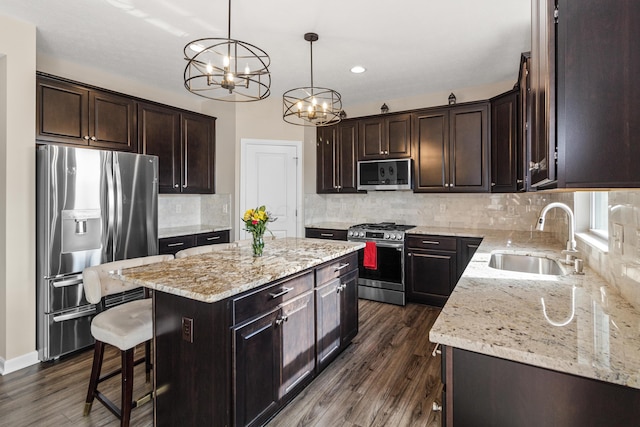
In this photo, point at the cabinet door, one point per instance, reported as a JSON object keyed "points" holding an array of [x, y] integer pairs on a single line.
{"points": [[397, 136], [370, 137], [542, 150], [467, 246], [349, 307], [327, 322], [112, 122], [346, 151], [505, 143], [198, 147], [326, 160], [257, 364], [431, 136], [431, 276], [469, 148], [298, 342], [63, 112], [159, 135], [171, 245]]}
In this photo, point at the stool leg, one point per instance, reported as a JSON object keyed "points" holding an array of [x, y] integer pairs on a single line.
{"points": [[98, 355], [147, 360], [127, 386]]}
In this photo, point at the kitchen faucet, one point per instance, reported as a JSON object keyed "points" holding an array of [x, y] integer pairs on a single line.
{"points": [[571, 252]]}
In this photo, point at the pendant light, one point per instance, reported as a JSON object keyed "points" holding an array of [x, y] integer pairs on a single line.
{"points": [[312, 106], [217, 68]]}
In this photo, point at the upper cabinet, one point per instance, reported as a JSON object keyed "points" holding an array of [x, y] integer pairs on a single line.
{"points": [[587, 53], [336, 157], [452, 148], [387, 136], [71, 114], [506, 144], [185, 145]]}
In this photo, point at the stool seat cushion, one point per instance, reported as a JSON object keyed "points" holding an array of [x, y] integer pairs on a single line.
{"points": [[126, 325]]}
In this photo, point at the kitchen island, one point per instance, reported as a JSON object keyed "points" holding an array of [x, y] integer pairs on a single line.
{"points": [[237, 336], [532, 349]]}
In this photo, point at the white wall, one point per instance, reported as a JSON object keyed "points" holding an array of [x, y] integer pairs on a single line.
{"points": [[17, 194]]}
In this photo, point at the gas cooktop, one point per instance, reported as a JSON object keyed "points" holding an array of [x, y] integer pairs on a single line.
{"points": [[383, 226]]}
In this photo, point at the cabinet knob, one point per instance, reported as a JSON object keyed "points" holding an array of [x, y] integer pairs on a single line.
{"points": [[176, 186], [184, 185], [436, 408], [493, 184], [281, 319], [93, 138], [534, 166]]}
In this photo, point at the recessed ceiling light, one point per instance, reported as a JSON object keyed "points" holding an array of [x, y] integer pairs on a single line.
{"points": [[358, 69]]}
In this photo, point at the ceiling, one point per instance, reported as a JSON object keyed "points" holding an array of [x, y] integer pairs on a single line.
{"points": [[409, 47]]}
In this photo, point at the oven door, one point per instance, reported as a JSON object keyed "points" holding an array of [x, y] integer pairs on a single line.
{"points": [[390, 271]]}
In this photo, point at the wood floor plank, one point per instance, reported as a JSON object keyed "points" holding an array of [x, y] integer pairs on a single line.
{"points": [[386, 377]]}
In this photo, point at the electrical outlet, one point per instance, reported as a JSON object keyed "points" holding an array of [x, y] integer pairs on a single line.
{"points": [[178, 208], [225, 208], [618, 237], [187, 329], [511, 210], [443, 207]]}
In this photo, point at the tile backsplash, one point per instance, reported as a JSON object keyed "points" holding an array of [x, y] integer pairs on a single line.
{"points": [[192, 209]]}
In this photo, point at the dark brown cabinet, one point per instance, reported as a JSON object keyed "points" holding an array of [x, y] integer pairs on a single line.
{"points": [[325, 233], [336, 308], [387, 136], [506, 145], [172, 245], [274, 350], [336, 158], [73, 114], [585, 53], [185, 145], [434, 264], [486, 390], [452, 149]]}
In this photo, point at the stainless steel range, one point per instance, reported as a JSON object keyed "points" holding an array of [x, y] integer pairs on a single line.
{"points": [[382, 280]]}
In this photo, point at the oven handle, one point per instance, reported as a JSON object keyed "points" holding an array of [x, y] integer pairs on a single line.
{"points": [[68, 282], [399, 245], [75, 315]]}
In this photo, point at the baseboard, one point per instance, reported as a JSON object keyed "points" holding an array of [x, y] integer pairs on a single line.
{"points": [[17, 363]]}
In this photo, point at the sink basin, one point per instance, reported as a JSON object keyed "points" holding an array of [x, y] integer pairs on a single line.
{"points": [[526, 264]]}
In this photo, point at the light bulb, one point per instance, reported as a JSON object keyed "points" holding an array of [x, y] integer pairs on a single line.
{"points": [[314, 101], [299, 105], [230, 77], [209, 68], [225, 61], [310, 109], [324, 106], [247, 70]]}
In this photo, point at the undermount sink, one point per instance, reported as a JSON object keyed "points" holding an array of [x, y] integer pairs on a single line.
{"points": [[526, 264]]}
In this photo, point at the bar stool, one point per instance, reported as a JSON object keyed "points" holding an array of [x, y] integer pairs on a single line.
{"points": [[123, 326]]}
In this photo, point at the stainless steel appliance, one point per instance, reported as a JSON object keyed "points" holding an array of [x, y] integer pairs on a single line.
{"points": [[385, 175], [92, 207], [386, 282]]}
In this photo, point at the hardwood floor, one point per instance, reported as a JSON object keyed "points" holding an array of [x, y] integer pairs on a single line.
{"points": [[386, 377]]}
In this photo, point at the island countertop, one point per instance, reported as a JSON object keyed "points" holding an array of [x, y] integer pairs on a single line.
{"points": [[233, 269], [577, 324]]}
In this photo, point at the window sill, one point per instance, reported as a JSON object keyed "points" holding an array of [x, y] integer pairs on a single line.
{"points": [[594, 241]]}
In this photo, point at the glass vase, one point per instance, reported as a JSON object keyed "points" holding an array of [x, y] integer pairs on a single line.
{"points": [[258, 244]]}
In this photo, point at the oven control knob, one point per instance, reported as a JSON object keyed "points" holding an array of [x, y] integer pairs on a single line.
{"points": [[361, 234], [387, 236], [350, 233]]}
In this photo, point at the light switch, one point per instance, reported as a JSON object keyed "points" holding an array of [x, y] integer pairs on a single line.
{"points": [[618, 237], [187, 329]]}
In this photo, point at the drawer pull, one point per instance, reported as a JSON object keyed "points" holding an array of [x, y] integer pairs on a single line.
{"points": [[341, 267], [283, 291], [430, 242], [212, 238], [175, 244], [326, 234]]}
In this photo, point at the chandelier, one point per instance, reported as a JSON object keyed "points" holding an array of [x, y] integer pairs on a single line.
{"points": [[312, 106], [217, 68]]}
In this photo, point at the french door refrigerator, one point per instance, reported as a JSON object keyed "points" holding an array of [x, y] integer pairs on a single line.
{"points": [[93, 207]]}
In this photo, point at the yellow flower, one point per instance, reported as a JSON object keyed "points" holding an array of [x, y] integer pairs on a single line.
{"points": [[248, 215]]}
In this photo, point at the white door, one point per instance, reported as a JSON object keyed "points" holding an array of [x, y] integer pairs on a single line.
{"points": [[270, 176]]}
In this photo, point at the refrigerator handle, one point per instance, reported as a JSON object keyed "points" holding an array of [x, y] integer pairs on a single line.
{"points": [[108, 171], [117, 236]]}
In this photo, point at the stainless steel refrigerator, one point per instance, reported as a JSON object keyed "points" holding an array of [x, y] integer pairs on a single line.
{"points": [[93, 207]]}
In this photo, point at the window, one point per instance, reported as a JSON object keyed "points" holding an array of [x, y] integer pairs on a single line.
{"points": [[599, 210], [592, 218]]}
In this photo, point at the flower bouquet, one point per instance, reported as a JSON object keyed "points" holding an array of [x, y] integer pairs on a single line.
{"points": [[255, 222]]}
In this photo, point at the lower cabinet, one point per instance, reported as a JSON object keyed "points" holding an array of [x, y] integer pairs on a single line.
{"points": [[172, 245], [483, 390], [325, 233], [434, 264]]}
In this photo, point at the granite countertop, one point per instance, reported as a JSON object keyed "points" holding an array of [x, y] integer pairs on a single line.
{"points": [[233, 269], [331, 225], [190, 229], [577, 324]]}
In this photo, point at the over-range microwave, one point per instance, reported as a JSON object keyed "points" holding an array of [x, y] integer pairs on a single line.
{"points": [[390, 174]]}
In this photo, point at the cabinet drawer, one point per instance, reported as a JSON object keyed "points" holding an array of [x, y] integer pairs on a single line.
{"points": [[325, 233], [212, 238], [439, 243], [171, 245], [336, 268], [262, 301]]}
